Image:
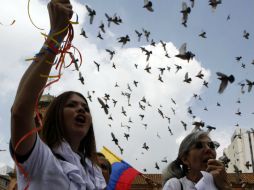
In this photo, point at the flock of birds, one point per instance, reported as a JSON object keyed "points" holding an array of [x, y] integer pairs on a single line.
{"points": [[108, 103], [183, 54]]}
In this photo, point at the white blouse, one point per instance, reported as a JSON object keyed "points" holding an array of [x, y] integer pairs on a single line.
{"points": [[47, 172], [205, 183]]}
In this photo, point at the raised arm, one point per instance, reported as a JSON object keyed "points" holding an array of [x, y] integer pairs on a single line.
{"points": [[22, 112]]}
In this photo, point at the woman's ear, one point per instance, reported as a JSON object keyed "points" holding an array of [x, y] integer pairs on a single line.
{"points": [[185, 160]]}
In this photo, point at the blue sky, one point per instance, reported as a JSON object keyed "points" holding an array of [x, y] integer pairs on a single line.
{"points": [[215, 53]]}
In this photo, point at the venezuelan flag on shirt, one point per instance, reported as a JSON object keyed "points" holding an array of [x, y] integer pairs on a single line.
{"points": [[122, 173]]}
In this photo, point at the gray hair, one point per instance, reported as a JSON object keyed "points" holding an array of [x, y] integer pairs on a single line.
{"points": [[177, 168]]}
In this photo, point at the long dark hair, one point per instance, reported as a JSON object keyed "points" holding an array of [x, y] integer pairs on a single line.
{"points": [[53, 133]]}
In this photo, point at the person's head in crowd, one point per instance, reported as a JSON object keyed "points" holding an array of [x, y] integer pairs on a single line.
{"points": [[65, 113], [104, 165], [194, 152]]}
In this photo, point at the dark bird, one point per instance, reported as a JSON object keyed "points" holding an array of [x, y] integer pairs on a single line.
{"points": [[200, 74], [238, 58], [147, 68], [110, 117], [148, 53], [89, 96], [148, 5], [143, 99], [185, 11], [218, 104], [91, 13], [135, 83], [167, 55], [173, 110], [202, 34], [238, 112], [214, 3], [205, 83], [187, 79], [114, 139], [146, 34], [210, 128], [247, 164], [183, 54], [141, 106], [123, 111], [124, 39], [161, 113], [109, 19], [111, 52], [83, 33], [246, 34], [164, 160], [174, 102], [228, 17], [192, 3], [178, 67], [120, 148], [114, 102], [184, 125], [99, 35], [189, 110], [129, 87], [163, 45], [145, 146], [98, 65], [153, 43], [126, 135], [141, 116], [139, 35], [102, 27], [224, 81], [106, 97], [113, 65], [116, 19], [170, 130], [162, 69], [81, 78], [198, 125], [249, 84], [103, 105], [157, 166], [160, 78]]}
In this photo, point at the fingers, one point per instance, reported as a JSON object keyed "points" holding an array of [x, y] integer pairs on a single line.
{"points": [[215, 162], [213, 167]]}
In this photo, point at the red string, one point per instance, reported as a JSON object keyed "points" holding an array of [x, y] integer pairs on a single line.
{"points": [[59, 65]]}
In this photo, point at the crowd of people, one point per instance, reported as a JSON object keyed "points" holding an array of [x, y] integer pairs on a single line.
{"points": [[66, 147]]}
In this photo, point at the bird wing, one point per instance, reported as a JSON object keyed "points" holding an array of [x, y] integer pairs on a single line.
{"points": [[182, 49], [88, 9]]}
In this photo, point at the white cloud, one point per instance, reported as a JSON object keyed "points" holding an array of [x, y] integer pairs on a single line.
{"points": [[27, 42]]}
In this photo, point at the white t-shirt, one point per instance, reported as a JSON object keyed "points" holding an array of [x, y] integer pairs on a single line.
{"points": [[49, 173], [205, 183]]}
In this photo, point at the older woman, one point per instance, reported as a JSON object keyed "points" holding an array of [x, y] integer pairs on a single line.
{"points": [[195, 166], [65, 157]]}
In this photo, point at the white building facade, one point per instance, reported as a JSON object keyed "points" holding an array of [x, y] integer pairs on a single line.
{"points": [[241, 151]]}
